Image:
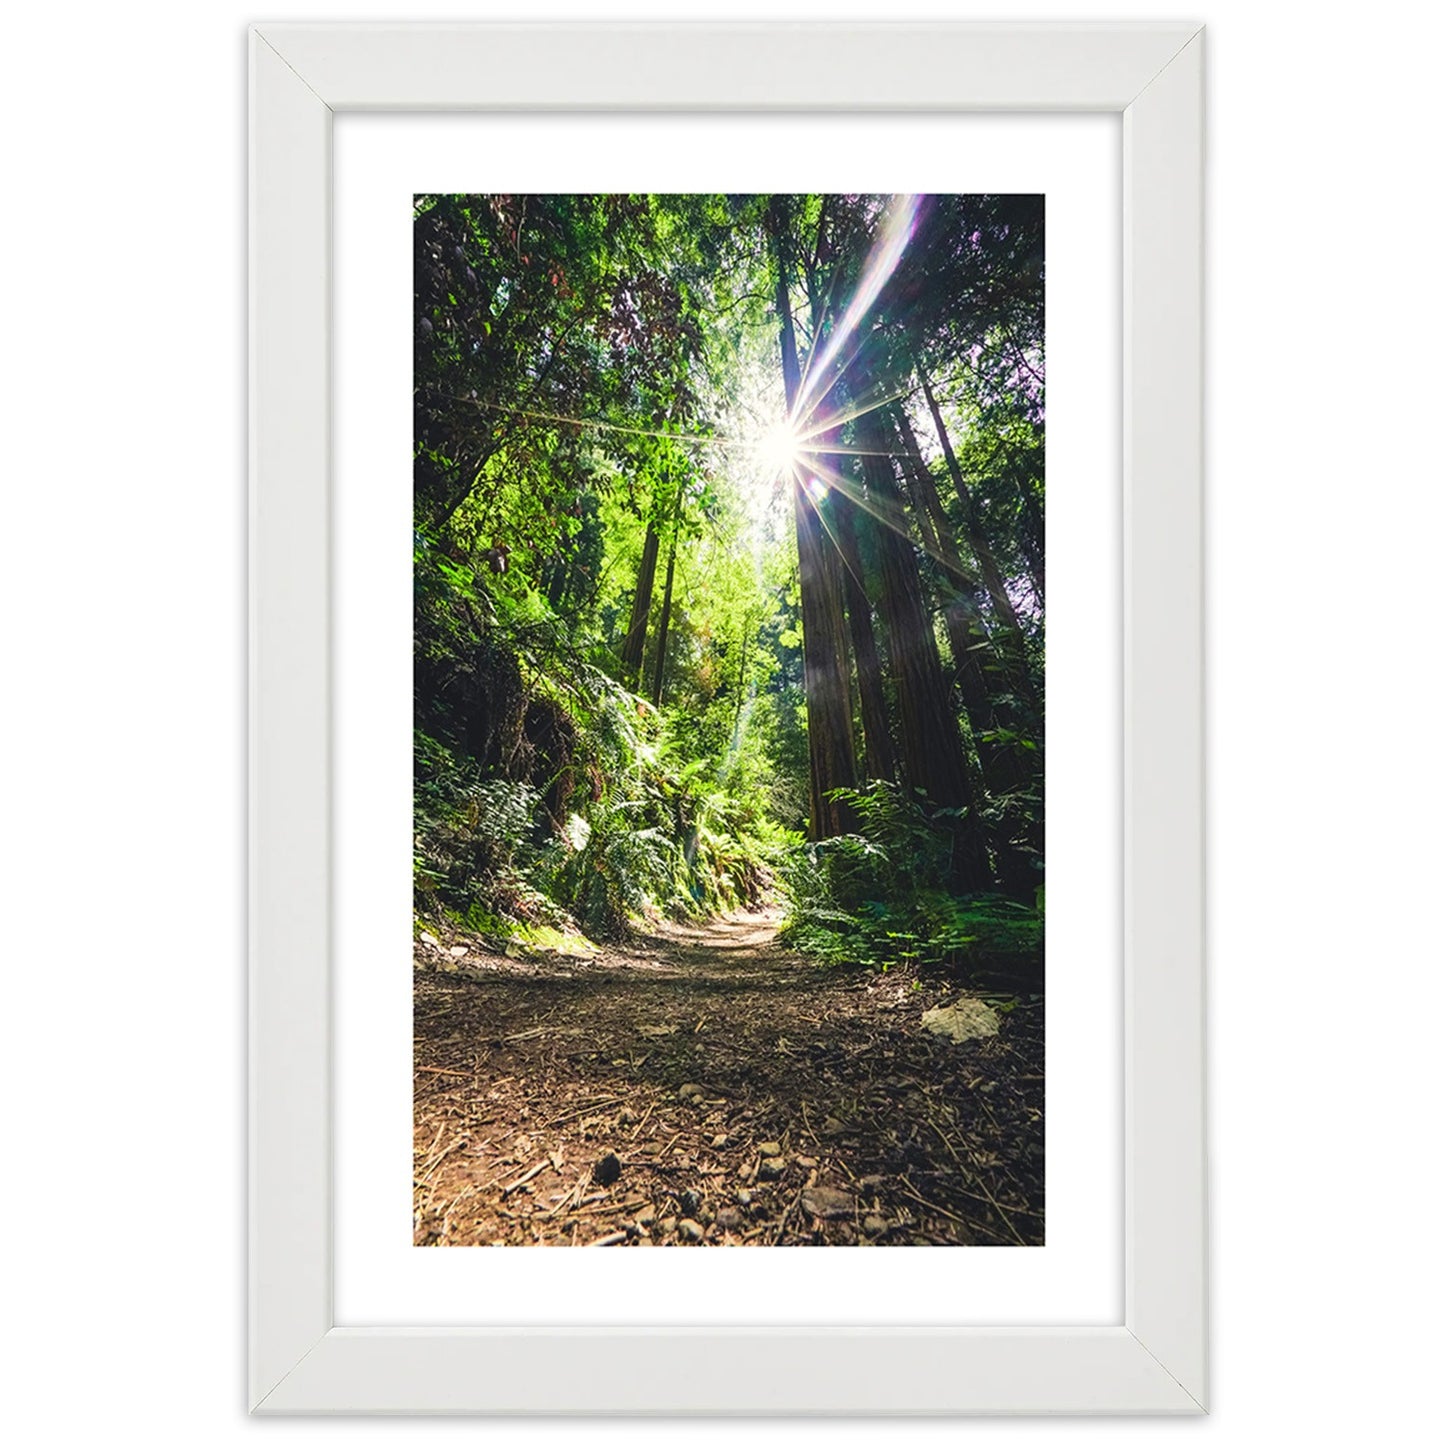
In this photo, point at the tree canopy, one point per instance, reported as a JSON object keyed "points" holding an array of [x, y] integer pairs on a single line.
{"points": [[729, 566]]}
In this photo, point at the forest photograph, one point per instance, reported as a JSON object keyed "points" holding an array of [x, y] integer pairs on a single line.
{"points": [[728, 818]]}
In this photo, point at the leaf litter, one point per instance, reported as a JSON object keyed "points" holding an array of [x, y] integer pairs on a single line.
{"points": [[817, 1107]]}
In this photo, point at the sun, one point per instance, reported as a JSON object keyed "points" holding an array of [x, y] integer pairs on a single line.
{"points": [[779, 448]]}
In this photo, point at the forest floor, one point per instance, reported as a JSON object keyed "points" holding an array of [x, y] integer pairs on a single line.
{"points": [[703, 1085]]}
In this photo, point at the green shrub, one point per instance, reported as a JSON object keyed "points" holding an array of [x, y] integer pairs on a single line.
{"points": [[879, 897]]}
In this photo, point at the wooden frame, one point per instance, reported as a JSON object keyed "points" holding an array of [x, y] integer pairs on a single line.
{"points": [[1155, 1361]]}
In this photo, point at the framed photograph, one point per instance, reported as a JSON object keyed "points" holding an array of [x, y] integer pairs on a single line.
{"points": [[648, 828]]}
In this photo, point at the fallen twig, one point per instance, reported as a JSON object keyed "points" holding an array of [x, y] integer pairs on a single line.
{"points": [[439, 1161], [532, 1173], [569, 1200], [608, 1209], [601, 1103]]}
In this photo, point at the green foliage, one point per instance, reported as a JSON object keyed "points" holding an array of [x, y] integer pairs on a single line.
{"points": [[618, 874], [880, 897], [547, 792], [584, 367]]}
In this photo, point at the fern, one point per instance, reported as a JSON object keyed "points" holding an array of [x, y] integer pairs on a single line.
{"points": [[879, 897]]}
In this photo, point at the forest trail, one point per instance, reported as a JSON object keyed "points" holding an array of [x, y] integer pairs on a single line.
{"points": [[704, 1085]]}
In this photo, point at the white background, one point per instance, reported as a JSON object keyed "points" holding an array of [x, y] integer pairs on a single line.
{"points": [[121, 571], [380, 160]]}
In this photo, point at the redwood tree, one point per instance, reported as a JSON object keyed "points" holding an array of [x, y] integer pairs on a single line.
{"points": [[832, 762]]}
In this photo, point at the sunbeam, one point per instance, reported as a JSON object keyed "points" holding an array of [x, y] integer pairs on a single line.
{"points": [[893, 238], [696, 439], [775, 449], [819, 479], [813, 491], [836, 419]]}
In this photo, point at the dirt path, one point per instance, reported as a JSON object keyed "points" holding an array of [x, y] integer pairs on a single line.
{"points": [[706, 1086]]}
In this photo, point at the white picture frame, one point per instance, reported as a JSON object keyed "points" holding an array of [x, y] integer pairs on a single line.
{"points": [[1155, 1360]]}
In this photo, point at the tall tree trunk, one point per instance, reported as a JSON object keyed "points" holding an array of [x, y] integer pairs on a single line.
{"points": [[1002, 605], [968, 641], [659, 666], [832, 762], [878, 757], [964, 626], [932, 750], [635, 642]]}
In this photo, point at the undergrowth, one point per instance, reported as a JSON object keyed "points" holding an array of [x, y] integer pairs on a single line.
{"points": [[880, 897], [549, 800]]}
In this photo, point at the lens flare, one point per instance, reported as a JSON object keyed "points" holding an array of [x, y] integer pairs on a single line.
{"points": [[779, 448], [888, 248]]}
